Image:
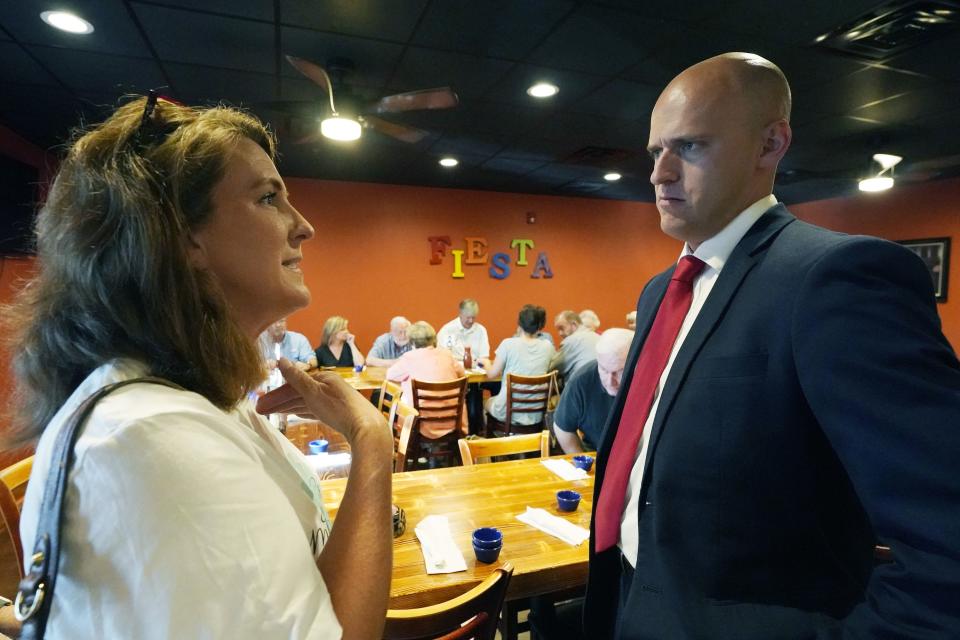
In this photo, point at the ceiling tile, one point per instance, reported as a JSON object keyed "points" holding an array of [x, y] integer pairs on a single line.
{"points": [[210, 85], [18, 66], [198, 38], [100, 72], [620, 99], [599, 40], [513, 87], [253, 9], [857, 90], [801, 22], [495, 28], [392, 21]]}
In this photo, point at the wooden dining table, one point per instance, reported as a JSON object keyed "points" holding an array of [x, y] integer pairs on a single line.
{"points": [[372, 377], [483, 495]]}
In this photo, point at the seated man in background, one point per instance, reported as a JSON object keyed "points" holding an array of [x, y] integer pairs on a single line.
{"points": [[632, 321], [590, 320], [465, 331], [388, 347], [277, 341], [589, 394], [577, 345]]}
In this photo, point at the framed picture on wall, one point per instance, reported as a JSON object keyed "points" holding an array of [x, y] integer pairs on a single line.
{"points": [[935, 253]]}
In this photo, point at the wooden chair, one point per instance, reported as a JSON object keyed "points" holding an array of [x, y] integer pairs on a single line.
{"points": [[441, 404], [390, 393], [525, 395], [403, 426], [479, 608], [14, 483], [475, 448]]}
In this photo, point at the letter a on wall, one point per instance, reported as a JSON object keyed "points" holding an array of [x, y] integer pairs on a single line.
{"points": [[542, 265]]}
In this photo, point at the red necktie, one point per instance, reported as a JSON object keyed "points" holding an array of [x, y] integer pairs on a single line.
{"points": [[653, 359]]}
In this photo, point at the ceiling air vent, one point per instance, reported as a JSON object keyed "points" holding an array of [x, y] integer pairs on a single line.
{"points": [[892, 28], [598, 156]]}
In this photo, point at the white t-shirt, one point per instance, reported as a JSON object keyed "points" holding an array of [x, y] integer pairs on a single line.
{"points": [[182, 521], [453, 337]]}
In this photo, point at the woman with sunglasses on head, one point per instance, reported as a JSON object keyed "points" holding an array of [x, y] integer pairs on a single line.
{"points": [[166, 245]]}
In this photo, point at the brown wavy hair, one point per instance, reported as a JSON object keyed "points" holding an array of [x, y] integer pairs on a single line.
{"points": [[114, 278]]}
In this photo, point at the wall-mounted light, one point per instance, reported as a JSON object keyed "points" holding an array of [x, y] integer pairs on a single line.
{"points": [[66, 21]]}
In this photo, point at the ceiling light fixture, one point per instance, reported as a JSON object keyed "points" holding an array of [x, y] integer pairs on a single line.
{"points": [[613, 176], [543, 90], [449, 162], [880, 182], [336, 127], [66, 21]]}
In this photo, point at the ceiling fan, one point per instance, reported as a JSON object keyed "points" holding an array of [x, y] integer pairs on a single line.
{"points": [[348, 123], [909, 171]]}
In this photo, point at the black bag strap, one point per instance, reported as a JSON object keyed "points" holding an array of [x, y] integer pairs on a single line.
{"points": [[35, 595]]}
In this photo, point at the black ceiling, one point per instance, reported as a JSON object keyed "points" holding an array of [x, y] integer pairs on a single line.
{"points": [[610, 59]]}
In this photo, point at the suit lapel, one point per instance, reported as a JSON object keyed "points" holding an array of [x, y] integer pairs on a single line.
{"points": [[744, 257]]}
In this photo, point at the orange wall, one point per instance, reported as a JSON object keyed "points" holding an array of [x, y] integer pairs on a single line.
{"points": [[907, 212], [370, 258]]}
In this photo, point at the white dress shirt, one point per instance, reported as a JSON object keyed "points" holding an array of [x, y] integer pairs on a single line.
{"points": [[714, 252], [454, 337]]}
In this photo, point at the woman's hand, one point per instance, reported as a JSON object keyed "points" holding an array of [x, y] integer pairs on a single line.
{"points": [[325, 396]]}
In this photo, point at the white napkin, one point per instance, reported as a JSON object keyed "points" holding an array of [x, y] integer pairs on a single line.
{"points": [[322, 461], [440, 553], [555, 526], [564, 469]]}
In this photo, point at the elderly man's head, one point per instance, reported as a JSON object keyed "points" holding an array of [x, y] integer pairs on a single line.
{"points": [[590, 319], [632, 321], [717, 133], [566, 323], [398, 329], [612, 349], [469, 308], [277, 330]]}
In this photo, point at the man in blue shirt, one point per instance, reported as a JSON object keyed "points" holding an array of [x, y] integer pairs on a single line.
{"points": [[291, 345], [388, 347]]}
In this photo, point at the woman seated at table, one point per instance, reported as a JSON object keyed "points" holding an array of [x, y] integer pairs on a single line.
{"points": [[167, 243], [426, 362], [337, 345], [524, 355]]}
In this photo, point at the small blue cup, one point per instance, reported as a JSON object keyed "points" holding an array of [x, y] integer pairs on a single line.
{"points": [[487, 555], [583, 462], [568, 500], [487, 538], [318, 446], [358, 369]]}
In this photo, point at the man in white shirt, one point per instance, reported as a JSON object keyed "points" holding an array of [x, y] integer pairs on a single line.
{"points": [[465, 331], [797, 404]]}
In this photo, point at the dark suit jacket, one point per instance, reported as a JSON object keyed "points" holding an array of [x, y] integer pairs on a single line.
{"points": [[813, 409]]}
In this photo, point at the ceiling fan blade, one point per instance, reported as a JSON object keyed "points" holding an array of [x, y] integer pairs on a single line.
{"points": [[394, 130], [439, 98], [313, 71]]}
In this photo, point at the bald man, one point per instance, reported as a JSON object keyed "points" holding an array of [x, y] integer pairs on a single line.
{"points": [[588, 395], [790, 404]]}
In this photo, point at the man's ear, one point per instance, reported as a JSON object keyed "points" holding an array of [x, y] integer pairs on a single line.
{"points": [[776, 140]]}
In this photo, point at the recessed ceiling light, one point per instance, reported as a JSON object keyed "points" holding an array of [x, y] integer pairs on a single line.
{"points": [[66, 21], [880, 183], [543, 90], [449, 162], [613, 176]]}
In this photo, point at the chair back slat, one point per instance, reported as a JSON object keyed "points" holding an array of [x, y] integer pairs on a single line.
{"points": [[440, 407], [479, 608], [13, 484], [403, 432], [529, 395], [390, 394], [473, 449]]}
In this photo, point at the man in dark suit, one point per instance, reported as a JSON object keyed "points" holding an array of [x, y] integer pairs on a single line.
{"points": [[789, 401]]}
